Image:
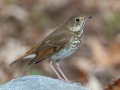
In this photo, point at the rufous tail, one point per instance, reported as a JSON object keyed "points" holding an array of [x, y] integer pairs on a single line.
{"points": [[14, 62], [31, 51]]}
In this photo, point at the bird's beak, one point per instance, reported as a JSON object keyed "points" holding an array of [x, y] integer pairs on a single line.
{"points": [[88, 17]]}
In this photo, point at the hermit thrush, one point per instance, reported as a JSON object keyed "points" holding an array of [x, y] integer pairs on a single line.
{"points": [[58, 45]]}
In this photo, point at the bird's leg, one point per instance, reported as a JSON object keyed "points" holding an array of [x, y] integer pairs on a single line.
{"points": [[57, 64], [50, 61]]}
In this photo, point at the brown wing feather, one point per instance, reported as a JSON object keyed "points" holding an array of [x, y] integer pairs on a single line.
{"points": [[52, 44], [60, 37]]}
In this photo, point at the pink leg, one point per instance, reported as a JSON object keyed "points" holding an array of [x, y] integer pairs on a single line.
{"points": [[57, 64], [55, 70]]}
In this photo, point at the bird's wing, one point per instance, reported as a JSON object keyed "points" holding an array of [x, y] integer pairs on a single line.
{"points": [[52, 44]]}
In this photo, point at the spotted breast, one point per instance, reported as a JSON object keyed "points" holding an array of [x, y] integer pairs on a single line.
{"points": [[67, 50]]}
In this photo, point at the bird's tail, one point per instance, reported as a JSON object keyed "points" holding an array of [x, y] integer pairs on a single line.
{"points": [[21, 58], [29, 54], [16, 61]]}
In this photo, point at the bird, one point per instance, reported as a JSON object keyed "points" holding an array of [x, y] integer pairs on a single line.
{"points": [[58, 45]]}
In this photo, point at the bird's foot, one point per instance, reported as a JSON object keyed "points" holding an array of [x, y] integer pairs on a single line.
{"points": [[61, 79], [68, 81], [65, 80]]}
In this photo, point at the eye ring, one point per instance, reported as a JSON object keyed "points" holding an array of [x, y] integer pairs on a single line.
{"points": [[77, 19]]}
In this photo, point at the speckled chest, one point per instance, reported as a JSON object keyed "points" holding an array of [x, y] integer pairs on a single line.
{"points": [[67, 50]]}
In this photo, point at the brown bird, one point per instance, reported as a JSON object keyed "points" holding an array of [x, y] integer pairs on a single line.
{"points": [[58, 45]]}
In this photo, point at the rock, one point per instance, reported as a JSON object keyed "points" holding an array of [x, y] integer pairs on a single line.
{"points": [[37, 82]]}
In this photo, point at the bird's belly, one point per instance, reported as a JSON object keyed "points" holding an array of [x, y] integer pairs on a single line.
{"points": [[65, 52]]}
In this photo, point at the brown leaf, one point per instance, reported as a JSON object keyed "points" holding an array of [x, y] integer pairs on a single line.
{"points": [[115, 85]]}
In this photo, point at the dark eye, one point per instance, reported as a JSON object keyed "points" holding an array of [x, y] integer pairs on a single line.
{"points": [[77, 19]]}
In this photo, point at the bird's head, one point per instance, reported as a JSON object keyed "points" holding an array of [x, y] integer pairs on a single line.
{"points": [[76, 23]]}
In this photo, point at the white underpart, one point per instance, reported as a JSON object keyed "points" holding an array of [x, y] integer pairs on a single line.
{"points": [[71, 48], [79, 27], [30, 56], [65, 52]]}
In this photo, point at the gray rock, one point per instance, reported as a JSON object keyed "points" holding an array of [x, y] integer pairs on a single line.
{"points": [[37, 82]]}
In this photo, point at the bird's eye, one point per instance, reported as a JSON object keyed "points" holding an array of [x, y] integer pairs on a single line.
{"points": [[77, 19]]}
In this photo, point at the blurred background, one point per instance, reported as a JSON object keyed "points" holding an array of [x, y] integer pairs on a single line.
{"points": [[23, 23]]}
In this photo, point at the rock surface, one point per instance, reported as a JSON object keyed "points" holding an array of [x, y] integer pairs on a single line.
{"points": [[37, 82]]}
